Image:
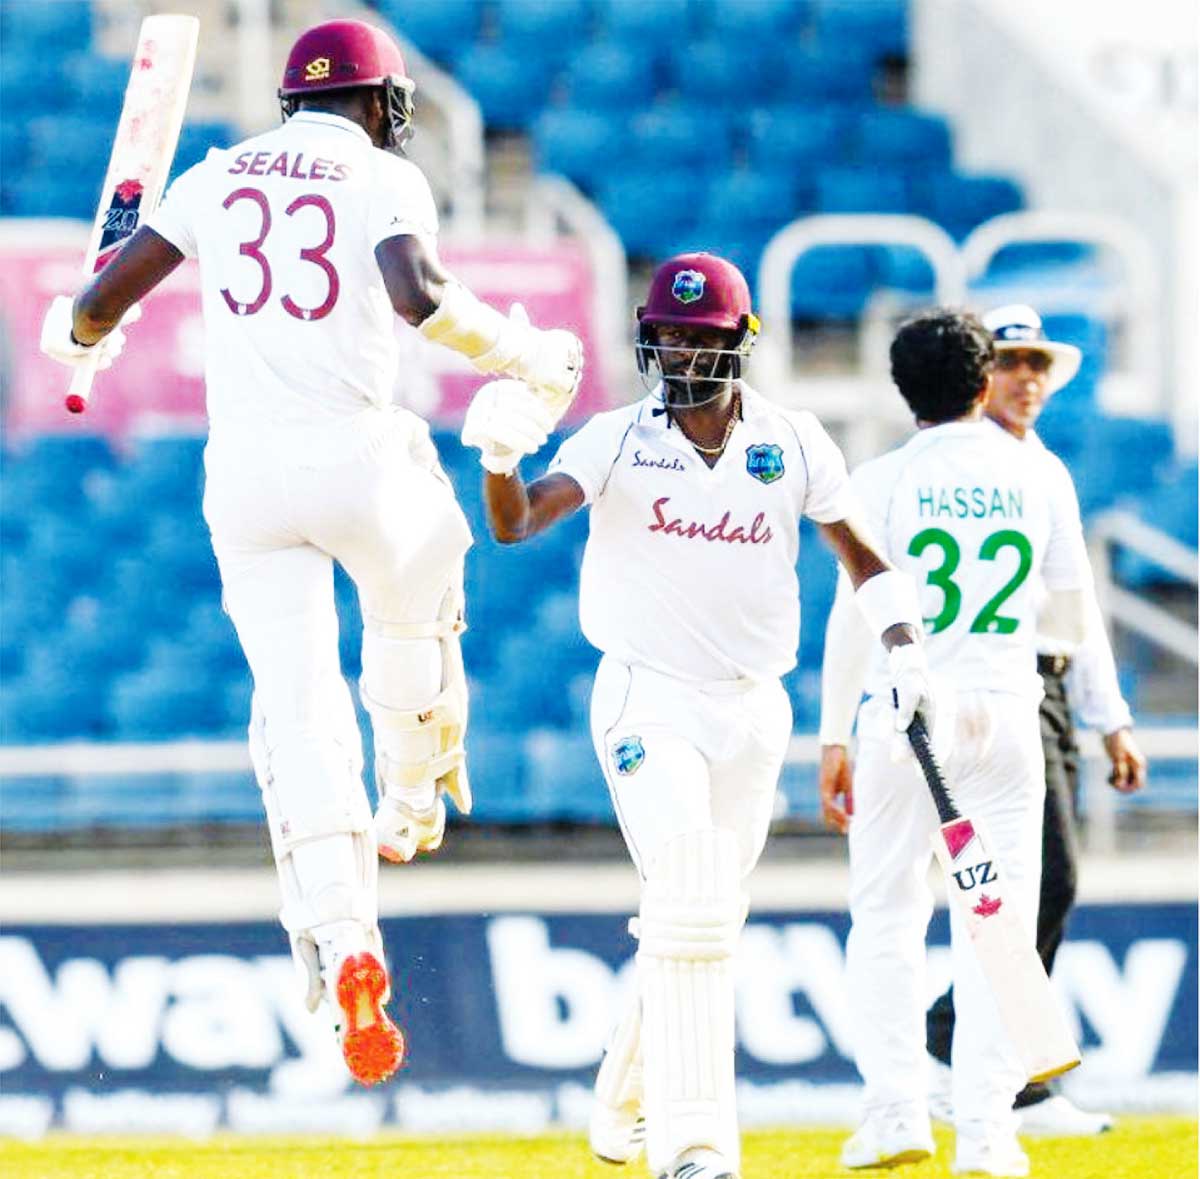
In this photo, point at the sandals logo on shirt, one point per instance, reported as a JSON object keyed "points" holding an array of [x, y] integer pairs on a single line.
{"points": [[765, 461], [628, 755]]}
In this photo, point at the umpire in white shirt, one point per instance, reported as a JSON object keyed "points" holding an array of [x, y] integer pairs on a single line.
{"points": [[1029, 368]]}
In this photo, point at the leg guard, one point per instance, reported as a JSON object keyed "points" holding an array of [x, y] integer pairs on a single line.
{"points": [[617, 1129], [320, 824], [415, 689], [692, 912]]}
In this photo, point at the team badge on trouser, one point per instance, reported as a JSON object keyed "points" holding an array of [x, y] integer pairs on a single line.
{"points": [[628, 755], [765, 461]]}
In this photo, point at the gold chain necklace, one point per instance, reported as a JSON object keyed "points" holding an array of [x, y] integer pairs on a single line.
{"points": [[729, 427]]}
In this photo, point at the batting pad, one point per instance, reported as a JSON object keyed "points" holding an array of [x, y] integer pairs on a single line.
{"points": [[321, 836], [691, 915], [619, 1081]]}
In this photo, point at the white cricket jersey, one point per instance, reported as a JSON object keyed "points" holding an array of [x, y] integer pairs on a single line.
{"points": [[298, 323], [971, 514], [1094, 688], [691, 570]]}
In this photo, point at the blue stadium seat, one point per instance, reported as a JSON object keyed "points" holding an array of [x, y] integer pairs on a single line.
{"points": [[131, 584], [177, 544], [157, 704], [727, 74], [1172, 506], [496, 764], [14, 144], [40, 192], [195, 139], [439, 30], [510, 92], [748, 200], [1120, 457], [541, 27], [793, 137], [674, 136], [898, 136], [651, 209], [959, 202], [166, 472], [564, 781], [35, 29], [639, 22], [611, 77], [580, 144], [832, 282], [905, 269], [755, 20], [863, 190], [32, 83], [821, 77], [98, 84], [75, 145], [47, 702], [874, 27], [817, 571]]}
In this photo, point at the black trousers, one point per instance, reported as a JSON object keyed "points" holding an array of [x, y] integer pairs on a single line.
{"points": [[1060, 862]]}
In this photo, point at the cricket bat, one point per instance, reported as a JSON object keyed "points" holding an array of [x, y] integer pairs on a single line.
{"points": [[142, 151], [975, 882]]}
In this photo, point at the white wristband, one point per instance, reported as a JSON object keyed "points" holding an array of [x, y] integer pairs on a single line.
{"points": [[887, 599]]}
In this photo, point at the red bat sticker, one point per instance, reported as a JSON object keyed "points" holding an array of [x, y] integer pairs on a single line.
{"points": [[987, 907]]}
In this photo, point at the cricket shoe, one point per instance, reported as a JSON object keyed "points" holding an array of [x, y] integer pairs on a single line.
{"points": [[1056, 1117], [616, 1135], [989, 1151], [889, 1140], [401, 831], [372, 1045], [699, 1163]]}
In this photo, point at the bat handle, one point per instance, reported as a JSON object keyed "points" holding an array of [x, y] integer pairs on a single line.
{"points": [[81, 385], [922, 747]]}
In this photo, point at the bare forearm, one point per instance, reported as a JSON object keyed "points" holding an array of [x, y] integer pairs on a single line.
{"points": [[507, 501], [858, 556], [517, 512], [143, 262]]}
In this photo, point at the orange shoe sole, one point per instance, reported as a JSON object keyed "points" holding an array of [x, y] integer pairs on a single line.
{"points": [[373, 1046]]}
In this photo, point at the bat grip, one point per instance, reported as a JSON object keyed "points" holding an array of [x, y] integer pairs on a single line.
{"points": [[922, 747], [81, 385]]}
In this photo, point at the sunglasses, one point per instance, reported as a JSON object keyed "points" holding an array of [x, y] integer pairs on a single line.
{"points": [[1010, 359]]}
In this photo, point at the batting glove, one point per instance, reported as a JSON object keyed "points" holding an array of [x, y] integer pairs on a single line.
{"points": [[506, 421], [912, 687], [59, 343], [549, 361]]}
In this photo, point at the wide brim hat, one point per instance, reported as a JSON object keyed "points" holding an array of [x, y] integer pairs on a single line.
{"points": [[1019, 326]]}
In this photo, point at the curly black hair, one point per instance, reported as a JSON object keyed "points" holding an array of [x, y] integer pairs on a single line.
{"points": [[940, 362]]}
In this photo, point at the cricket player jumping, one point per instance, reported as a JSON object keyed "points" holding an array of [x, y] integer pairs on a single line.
{"points": [[689, 589], [310, 238]]}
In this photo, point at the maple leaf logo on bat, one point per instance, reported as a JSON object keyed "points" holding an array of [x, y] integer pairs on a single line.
{"points": [[987, 907]]}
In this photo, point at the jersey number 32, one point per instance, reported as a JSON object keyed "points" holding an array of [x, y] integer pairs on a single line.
{"points": [[989, 620]]}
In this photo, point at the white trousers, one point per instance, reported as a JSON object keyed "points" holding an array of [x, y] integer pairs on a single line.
{"points": [[282, 506], [678, 757], [995, 773]]}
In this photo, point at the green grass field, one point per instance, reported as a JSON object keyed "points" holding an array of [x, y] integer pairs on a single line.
{"points": [[1139, 1148]]}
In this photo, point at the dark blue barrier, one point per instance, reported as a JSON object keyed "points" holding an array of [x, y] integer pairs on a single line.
{"points": [[191, 1026]]}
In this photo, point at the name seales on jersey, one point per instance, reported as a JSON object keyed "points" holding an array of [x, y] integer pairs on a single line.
{"points": [[297, 319], [691, 570]]}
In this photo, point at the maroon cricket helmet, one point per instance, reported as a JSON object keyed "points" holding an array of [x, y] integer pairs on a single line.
{"points": [[341, 54], [702, 291]]}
